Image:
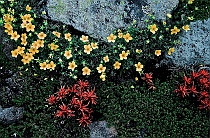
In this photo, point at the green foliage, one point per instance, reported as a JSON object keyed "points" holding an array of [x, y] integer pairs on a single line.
{"points": [[38, 120], [160, 112]]}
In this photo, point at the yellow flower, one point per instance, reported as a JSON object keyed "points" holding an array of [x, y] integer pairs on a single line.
{"points": [[87, 49], [101, 69], [139, 67], [103, 77], [136, 78], [25, 60], [72, 65], [68, 54], [68, 36], [8, 26], [128, 52], [127, 37], [111, 38], [40, 43], [157, 52], [94, 45], [120, 35], [57, 34], [30, 27], [35, 45], [8, 18], [28, 8], [29, 56], [164, 22], [123, 55], [153, 28], [190, 1], [27, 18], [175, 30], [24, 24], [84, 38], [186, 27], [117, 65], [9, 32], [15, 36], [43, 65], [169, 15], [15, 53], [23, 36], [41, 35], [33, 50], [138, 51], [24, 42], [20, 50], [53, 46], [51, 65], [86, 71], [106, 59], [171, 50]]}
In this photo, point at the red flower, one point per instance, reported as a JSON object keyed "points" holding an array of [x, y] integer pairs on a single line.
{"points": [[83, 83], [62, 93], [64, 111], [203, 94], [205, 82], [182, 90], [75, 88], [90, 96], [63, 108], [70, 113], [59, 113], [68, 90], [82, 108], [205, 104], [187, 80], [193, 90], [74, 101], [195, 75], [204, 73], [147, 77], [84, 120], [52, 99], [81, 94]]}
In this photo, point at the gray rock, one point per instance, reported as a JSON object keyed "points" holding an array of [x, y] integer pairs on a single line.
{"points": [[162, 7], [11, 115], [1, 108], [99, 130], [99, 18], [15, 81], [195, 46], [8, 45]]}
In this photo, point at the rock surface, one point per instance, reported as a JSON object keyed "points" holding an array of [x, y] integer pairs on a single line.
{"points": [[99, 18], [195, 46], [162, 7], [8, 45], [99, 130], [10, 115]]}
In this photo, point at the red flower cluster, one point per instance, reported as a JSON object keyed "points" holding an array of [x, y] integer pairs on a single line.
{"points": [[148, 79], [80, 97], [197, 85]]}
